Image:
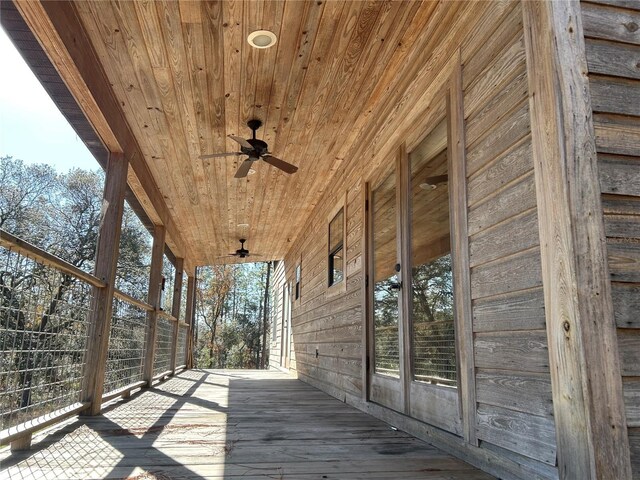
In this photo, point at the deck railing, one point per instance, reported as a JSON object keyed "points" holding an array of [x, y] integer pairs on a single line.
{"points": [[45, 310], [125, 358], [43, 334], [164, 337]]}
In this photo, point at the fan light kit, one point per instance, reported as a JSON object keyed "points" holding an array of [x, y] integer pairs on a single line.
{"points": [[431, 183], [254, 149], [262, 39]]}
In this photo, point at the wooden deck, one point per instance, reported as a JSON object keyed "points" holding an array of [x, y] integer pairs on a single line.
{"points": [[228, 424]]}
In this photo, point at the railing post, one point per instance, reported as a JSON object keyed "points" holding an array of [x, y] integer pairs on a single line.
{"points": [[105, 269], [191, 292], [155, 283], [175, 310]]}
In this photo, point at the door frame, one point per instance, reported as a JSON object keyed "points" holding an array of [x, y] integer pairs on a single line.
{"points": [[451, 94]]}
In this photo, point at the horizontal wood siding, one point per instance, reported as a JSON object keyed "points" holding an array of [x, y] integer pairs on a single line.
{"points": [[512, 367], [327, 323], [612, 41], [276, 316], [513, 385]]}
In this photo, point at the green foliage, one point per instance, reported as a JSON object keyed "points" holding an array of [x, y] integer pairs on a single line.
{"points": [[43, 313], [229, 310]]}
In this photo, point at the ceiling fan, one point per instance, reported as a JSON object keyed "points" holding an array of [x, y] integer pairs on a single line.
{"points": [[255, 149], [242, 252]]}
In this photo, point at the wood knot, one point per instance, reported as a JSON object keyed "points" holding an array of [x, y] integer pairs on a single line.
{"points": [[632, 26], [566, 326]]}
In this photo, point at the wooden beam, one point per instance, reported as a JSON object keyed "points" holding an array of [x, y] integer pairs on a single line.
{"points": [[64, 38], [460, 246], [403, 181], [588, 403], [175, 309], [105, 269], [190, 315], [153, 299]]}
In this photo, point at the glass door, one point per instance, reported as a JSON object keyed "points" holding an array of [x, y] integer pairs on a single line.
{"points": [[386, 372], [433, 395], [412, 342]]}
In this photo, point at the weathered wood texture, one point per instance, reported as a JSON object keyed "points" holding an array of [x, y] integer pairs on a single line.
{"points": [[510, 345], [229, 424], [277, 317], [153, 299], [105, 270], [613, 60], [507, 302], [65, 40], [175, 311]]}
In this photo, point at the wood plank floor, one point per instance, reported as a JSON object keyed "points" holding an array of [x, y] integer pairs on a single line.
{"points": [[213, 424]]}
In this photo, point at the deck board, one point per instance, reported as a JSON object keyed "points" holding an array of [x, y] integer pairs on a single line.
{"points": [[217, 424]]}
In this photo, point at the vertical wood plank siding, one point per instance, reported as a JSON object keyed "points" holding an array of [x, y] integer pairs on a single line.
{"points": [[612, 41]]}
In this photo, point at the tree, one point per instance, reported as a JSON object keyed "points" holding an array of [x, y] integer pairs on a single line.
{"points": [[211, 296], [43, 311], [231, 311]]}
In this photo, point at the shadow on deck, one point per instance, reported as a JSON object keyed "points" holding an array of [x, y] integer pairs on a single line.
{"points": [[213, 424]]}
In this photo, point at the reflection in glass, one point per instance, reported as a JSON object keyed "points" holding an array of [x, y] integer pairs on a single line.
{"points": [[385, 297], [336, 248], [433, 335]]}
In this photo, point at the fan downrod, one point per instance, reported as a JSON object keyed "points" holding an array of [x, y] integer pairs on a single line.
{"points": [[254, 125]]}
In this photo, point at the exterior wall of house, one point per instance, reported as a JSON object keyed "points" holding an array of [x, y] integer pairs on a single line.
{"points": [[513, 416], [276, 316], [612, 41]]}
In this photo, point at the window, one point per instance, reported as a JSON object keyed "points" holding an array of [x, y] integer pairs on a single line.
{"points": [[298, 274], [433, 334], [336, 248]]}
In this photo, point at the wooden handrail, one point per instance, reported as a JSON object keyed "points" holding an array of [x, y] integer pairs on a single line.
{"points": [[26, 428], [132, 300], [23, 247], [167, 315]]}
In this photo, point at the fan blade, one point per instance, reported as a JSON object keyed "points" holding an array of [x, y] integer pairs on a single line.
{"points": [[243, 171], [227, 154], [281, 164], [241, 141]]}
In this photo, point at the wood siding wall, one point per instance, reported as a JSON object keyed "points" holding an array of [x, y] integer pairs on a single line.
{"points": [[612, 41], [513, 384], [276, 316], [510, 349]]}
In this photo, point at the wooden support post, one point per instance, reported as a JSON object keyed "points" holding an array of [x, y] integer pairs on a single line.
{"points": [[588, 403], [105, 269], [189, 319], [175, 310], [155, 284], [22, 443], [460, 246]]}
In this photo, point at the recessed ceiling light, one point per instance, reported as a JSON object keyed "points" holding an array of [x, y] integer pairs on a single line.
{"points": [[262, 39], [243, 225], [251, 171]]}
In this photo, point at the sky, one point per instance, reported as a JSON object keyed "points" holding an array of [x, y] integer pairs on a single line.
{"points": [[32, 128]]}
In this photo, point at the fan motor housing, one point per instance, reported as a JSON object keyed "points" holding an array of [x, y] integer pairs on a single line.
{"points": [[259, 147]]}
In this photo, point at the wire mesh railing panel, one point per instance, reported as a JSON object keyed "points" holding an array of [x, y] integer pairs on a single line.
{"points": [[182, 346], [164, 336], [43, 335], [387, 354], [434, 348], [125, 359]]}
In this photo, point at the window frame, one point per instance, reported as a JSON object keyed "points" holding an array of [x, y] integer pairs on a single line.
{"points": [[297, 283], [341, 285]]}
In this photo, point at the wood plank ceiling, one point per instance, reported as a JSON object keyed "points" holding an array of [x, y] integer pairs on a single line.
{"points": [[186, 78]]}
